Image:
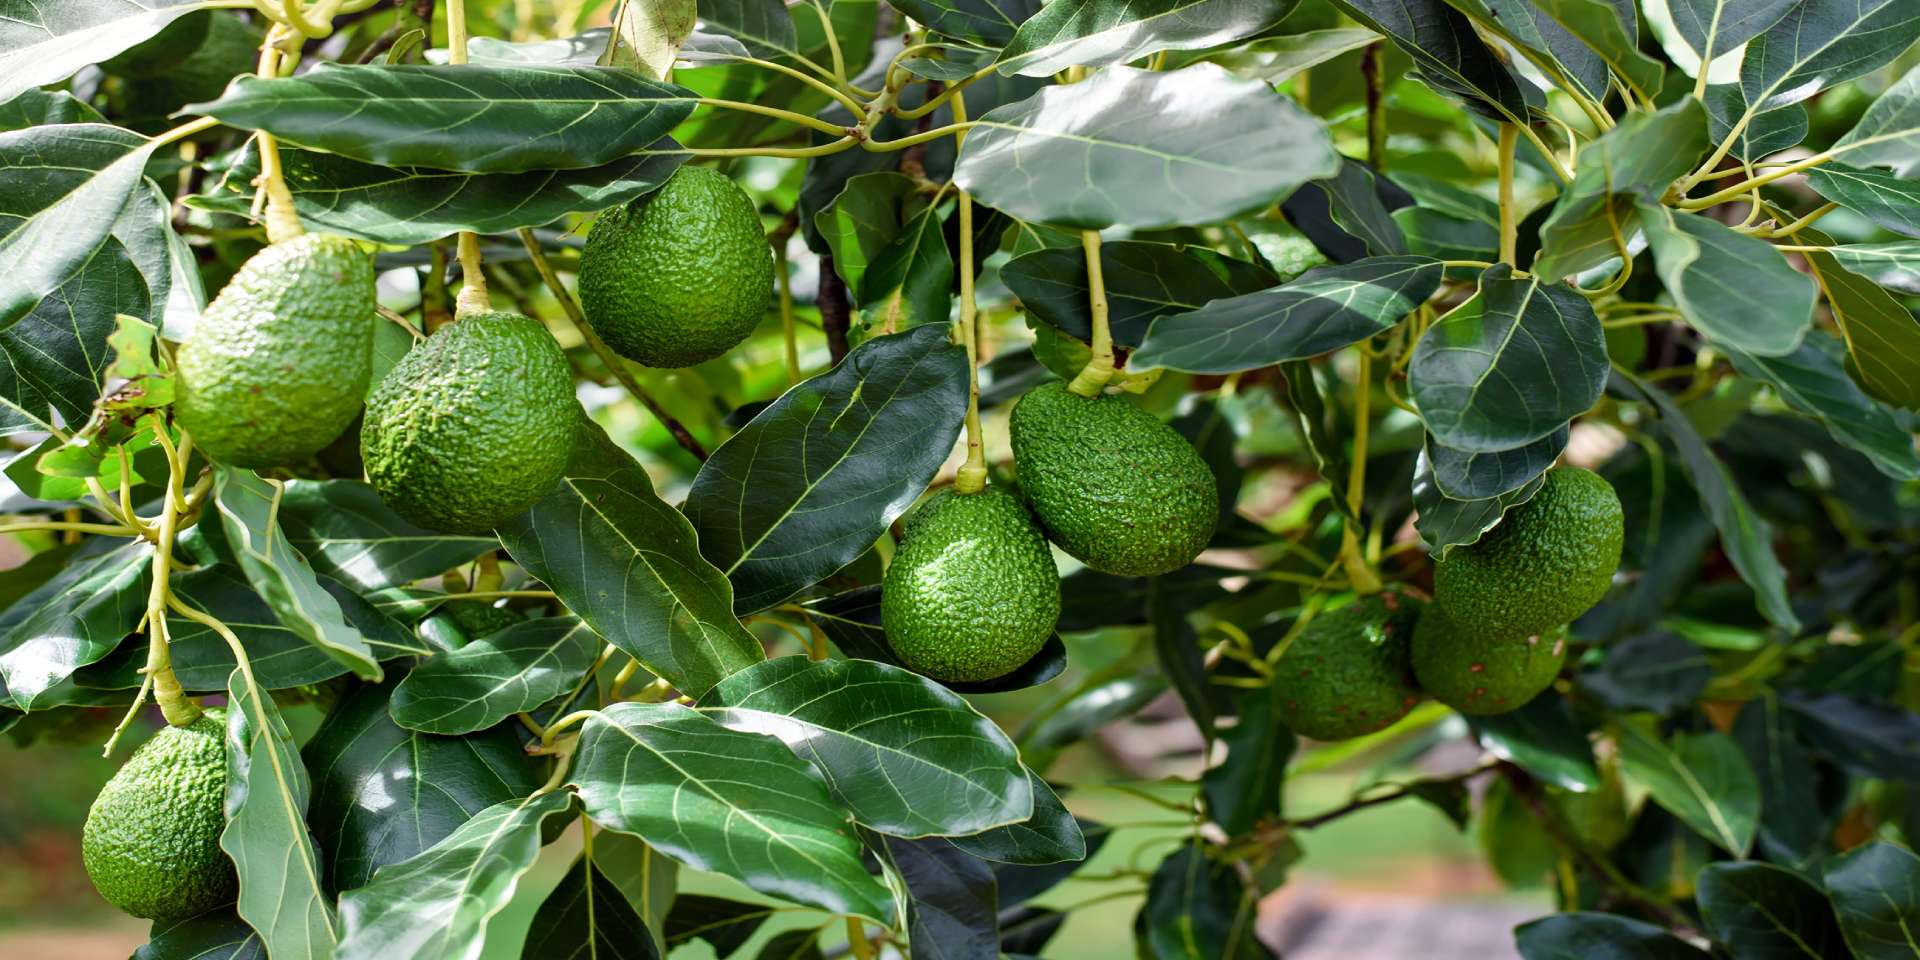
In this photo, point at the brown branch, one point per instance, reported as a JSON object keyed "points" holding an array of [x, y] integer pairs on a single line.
{"points": [[1399, 793], [836, 311], [1530, 793]]}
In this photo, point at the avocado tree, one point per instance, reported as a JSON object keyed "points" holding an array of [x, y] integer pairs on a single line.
{"points": [[750, 443]]}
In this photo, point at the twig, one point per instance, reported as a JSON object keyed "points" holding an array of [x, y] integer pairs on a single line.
{"points": [[1528, 790], [836, 312]]}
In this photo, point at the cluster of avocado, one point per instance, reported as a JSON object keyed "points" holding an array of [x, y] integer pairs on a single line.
{"points": [[973, 594], [1493, 638]]}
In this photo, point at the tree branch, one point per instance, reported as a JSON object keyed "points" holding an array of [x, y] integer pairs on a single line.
{"points": [[836, 311]]}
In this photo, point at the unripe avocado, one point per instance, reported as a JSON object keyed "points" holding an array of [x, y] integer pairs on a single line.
{"points": [[473, 426], [972, 593], [679, 276], [1548, 561], [152, 840], [1484, 673], [1111, 484], [1347, 672], [277, 366]]}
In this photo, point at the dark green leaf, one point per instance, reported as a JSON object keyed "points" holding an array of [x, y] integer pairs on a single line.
{"points": [[626, 563], [440, 902], [1020, 882], [865, 219], [347, 533], [1025, 931], [764, 26], [1660, 671], [588, 916], [281, 894], [474, 119], [1197, 910], [1324, 309], [1050, 836], [852, 621], [1479, 476], [1701, 778], [279, 574], [1142, 281], [1601, 25], [649, 881], [1713, 27], [816, 477], [1349, 216], [910, 281], [1178, 650], [73, 619], [1447, 52], [1509, 366], [1791, 822], [724, 800], [46, 43], [725, 925], [1736, 289], [53, 358], [1820, 43], [1542, 739], [1876, 894], [1445, 522], [989, 22], [383, 794], [1531, 27], [1600, 936], [218, 934], [1443, 237], [952, 903], [1634, 161], [1894, 265], [1767, 131], [1812, 381], [1883, 338], [1244, 789], [1890, 201], [907, 756], [1094, 33], [800, 944], [1873, 739], [1889, 131], [1093, 708], [1763, 912], [496, 676], [1191, 146], [60, 198], [36, 107]]}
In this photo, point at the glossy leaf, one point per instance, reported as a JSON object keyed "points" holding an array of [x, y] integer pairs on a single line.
{"points": [[1050, 836], [53, 359], [1701, 778], [496, 676], [764, 26], [1323, 310], [1713, 27], [864, 220], [46, 43], [723, 800], [989, 22], [248, 506], [852, 621], [1509, 366], [1791, 821], [383, 794], [1659, 671], [817, 476], [627, 564], [1764, 912], [1444, 522], [1190, 146], [73, 619], [1532, 27], [1819, 43], [1890, 201], [1736, 289], [1093, 708], [1542, 739], [587, 916], [1614, 38], [1277, 59], [1876, 895], [472, 118], [1600, 936], [1197, 910], [952, 900], [1812, 381], [1244, 789], [1478, 476], [266, 835], [1894, 265], [1634, 161], [1889, 131], [1094, 33], [911, 279], [1448, 53], [59, 202], [1142, 281], [1882, 335], [1349, 216], [440, 902], [217, 934], [347, 533]]}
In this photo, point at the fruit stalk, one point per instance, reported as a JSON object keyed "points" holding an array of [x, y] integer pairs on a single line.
{"points": [[473, 289], [283, 222], [972, 476], [175, 705], [1099, 369]]}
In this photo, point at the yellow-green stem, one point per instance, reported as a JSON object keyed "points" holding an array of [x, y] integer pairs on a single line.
{"points": [[776, 113], [1099, 368], [1509, 218], [175, 705], [972, 475], [1359, 574], [283, 221]]}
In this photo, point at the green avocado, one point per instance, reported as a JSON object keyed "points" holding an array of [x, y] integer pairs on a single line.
{"points": [[473, 426], [152, 840], [1549, 561], [1347, 672], [1112, 485], [1484, 673], [277, 366], [679, 276], [972, 592]]}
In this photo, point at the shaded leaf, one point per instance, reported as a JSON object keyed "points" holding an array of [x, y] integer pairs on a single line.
{"points": [[1142, 281], [1766, 132], [1812, 381], [1659, 671], [1244, 789], [989, 22], [1100, 32], [1542, 739], [764, 26], [1600, 24], [587, 916], [1791, 822], [726, 925], [1444, 522], [1050, 836], [1197, 910], [1449, 54], [1872, 739], [952, 902], [496, 676], [1701, 778], [1600, 936], [1737, 290], [1764, 912], [217, 934], [1633, 162], [346, 532], [1876, 895], [911, 280], [266, 834], [1890, 201], [1349, 216], [1478, 476], [1882, 335]]}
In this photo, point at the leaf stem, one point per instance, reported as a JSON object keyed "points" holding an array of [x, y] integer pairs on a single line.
{"points": [[1509, 217], [104, 529], [889, 146], [788, 153], [1352, 558], [776, 113], [853, 106], [1099, 368], [571, 719], [1755, 182], [283, 221], [972, 475]]}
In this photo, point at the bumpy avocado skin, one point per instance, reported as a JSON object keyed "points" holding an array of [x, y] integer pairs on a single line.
{"points": [[152, 839], [679, 276], [1347, 672], [277, 366], [473, 426], [1548, 561], [972, 592], [1111, 484], [1484, 673]]}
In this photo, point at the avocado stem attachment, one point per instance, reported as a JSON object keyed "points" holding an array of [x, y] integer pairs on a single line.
{"points": [[1099, 369], [283, 221], [972, 476]]}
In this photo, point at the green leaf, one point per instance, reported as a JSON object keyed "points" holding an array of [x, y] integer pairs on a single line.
{"points": [[1635, 161], [1143, 149], [798, 944], [439, 903], [627, 564], [362, 817], [726, 925], [952, 908], [1659, 671], [1737, 290], [1095, 33], [1714, 27], [989, 22], [1278, 59], [1050, 836], [1142, 280], [1820, 43], [1766, 132], [1791, 820], [1510, 365], [1764, 912], [60, 199], [73, 619], [911, 280], [218, 934], [764, 26], [37, 107], [1530, 27], [52, 359], [47, 43], [1323, 310], [1449, 55], [588, 916], [1444, 522], [1244, 789], [1895, 265], [495, 676], [1094, 707], [414, 205], [1613, 34], [267, 791], [1812, 381], [1745, 536], [1459, 475], [1197, 910], [1542, 739], [1871, 738], [1888, 134], [865, 219], [723, 800], [1876, 894], [907, 756], [852, 621], [1882, 335], [649, 882], [816, 477], [1701, 778], [1023, 880], [279, 573], [1600, 936], [346, 532], [474, 119], [1349, 215], [1890, 201]]}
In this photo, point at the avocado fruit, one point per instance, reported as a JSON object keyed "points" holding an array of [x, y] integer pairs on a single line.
{"points": [[1478, 673], [678, 276], [972, 593], [151, 843], [1347, 672], [279, 362], [1115, 487], [1548, 561], [472, 426]]}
